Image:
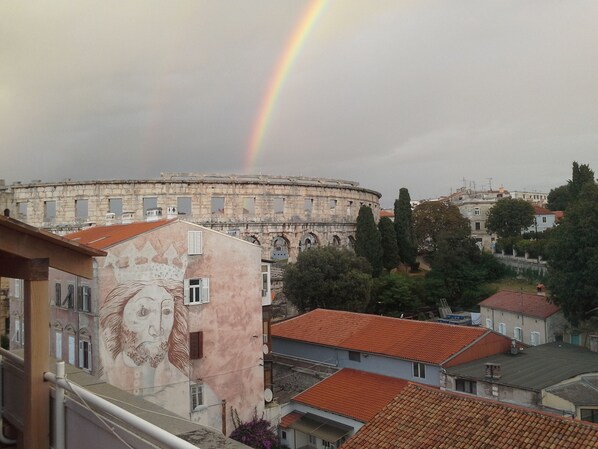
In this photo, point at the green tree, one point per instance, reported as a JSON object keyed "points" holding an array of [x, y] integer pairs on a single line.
{"points": [[558, 198], [509, 217], [404, 228], [434, 219], [561, 197], [329, 278], [394, 294], [573, 258], [368, 242], [390, 249]]}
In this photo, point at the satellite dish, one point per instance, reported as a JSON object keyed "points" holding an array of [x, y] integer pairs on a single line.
{"points": [[265, 349], [268, 395]]}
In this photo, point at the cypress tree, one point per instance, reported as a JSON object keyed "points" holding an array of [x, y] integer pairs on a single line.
{"points": [[367, 239], [404, 228], [390, 248]]}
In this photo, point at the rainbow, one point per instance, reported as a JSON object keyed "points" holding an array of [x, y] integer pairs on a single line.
{"points": [[294, 44]]}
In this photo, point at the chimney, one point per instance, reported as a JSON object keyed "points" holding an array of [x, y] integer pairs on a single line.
{"points": [[492, 370]]}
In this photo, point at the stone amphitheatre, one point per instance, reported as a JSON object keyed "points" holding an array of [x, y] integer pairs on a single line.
{"points": [[284, 215]]}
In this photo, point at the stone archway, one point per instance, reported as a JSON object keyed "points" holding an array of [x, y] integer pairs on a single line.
{"points": [[309, 240], [351, 243], [253, 239], [336, 241], [280, 248]]}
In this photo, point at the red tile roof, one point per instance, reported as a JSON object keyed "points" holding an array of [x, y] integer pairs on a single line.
{"points": [[407, 339], [542, 211], [289, 419], [421, 417], [102, 237], [518, 302], [352, 393], [387, 213]]}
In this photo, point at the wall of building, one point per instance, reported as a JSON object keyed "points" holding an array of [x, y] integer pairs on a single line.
{"points": [[372, 363], [302, 211], [231, 323], [526, 323], [502, 393]]}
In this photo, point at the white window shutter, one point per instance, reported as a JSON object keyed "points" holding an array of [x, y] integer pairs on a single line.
{"points": [[72, 349], [194, 242], [186, 291], [205, 290]]}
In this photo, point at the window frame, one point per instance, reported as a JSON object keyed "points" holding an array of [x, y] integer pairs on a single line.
{"points": [[355, 356], [197, 293], [532, 334], [419, 370], [466, 386], [517, 330], [85, 354], [194, 243], [502, 328], [195, 345], [196, 396]]}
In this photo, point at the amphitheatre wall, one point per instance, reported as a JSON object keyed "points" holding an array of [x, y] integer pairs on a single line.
{"points": [[282, 214]]}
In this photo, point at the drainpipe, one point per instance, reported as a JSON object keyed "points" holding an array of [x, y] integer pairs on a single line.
{"points": [[59, 440]]}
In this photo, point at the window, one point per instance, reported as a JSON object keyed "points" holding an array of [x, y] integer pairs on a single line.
{"points": [[328, 445], [478, 226], [312, 439], [194, 243], [355, 356], [489, 323], [115, 206], [266, 332], [543, 219], [58, 294], [265, 280], [589, 414], [72, 349], [22, 210], [308, 205], [81, 209], [502, 328], [49, 211], [85, 354], [18, 288], [58, 344], [18, 337], [149, 203], [279, 205], [283, 435], [333, 205], [196, 393], [197, 291], [183, 205], [217, 205], [349, 207], [85, 298], [535, 336], [476, 211], [419, 370], [466, 386], [69, 299], [249, 206], [196, 345], [517, 334]]}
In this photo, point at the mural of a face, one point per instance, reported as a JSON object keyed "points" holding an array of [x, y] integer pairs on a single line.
{"points": [[148, 319]]}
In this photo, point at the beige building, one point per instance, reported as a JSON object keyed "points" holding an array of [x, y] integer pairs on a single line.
{"points": [[528, 318]]}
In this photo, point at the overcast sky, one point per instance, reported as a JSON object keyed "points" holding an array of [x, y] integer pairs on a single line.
{"points": [[418, 94]]}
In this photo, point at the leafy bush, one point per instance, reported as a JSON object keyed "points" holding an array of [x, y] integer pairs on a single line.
{"points": [[257, 433]]}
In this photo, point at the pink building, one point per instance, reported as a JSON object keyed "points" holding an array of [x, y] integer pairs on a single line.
{"points": [[172, 314]]}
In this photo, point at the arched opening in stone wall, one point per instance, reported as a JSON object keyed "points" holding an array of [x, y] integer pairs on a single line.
{"points": [[308, 241], [253, 239], [280, 248], [336, 241], [351, 242]]}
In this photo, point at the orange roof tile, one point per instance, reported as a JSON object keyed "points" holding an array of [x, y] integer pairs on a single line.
{"points": [[528, 304], [352, 393], [538, 210], [289, 419], [421, 417], [102, 237], [387, 213], [407, 339]]}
